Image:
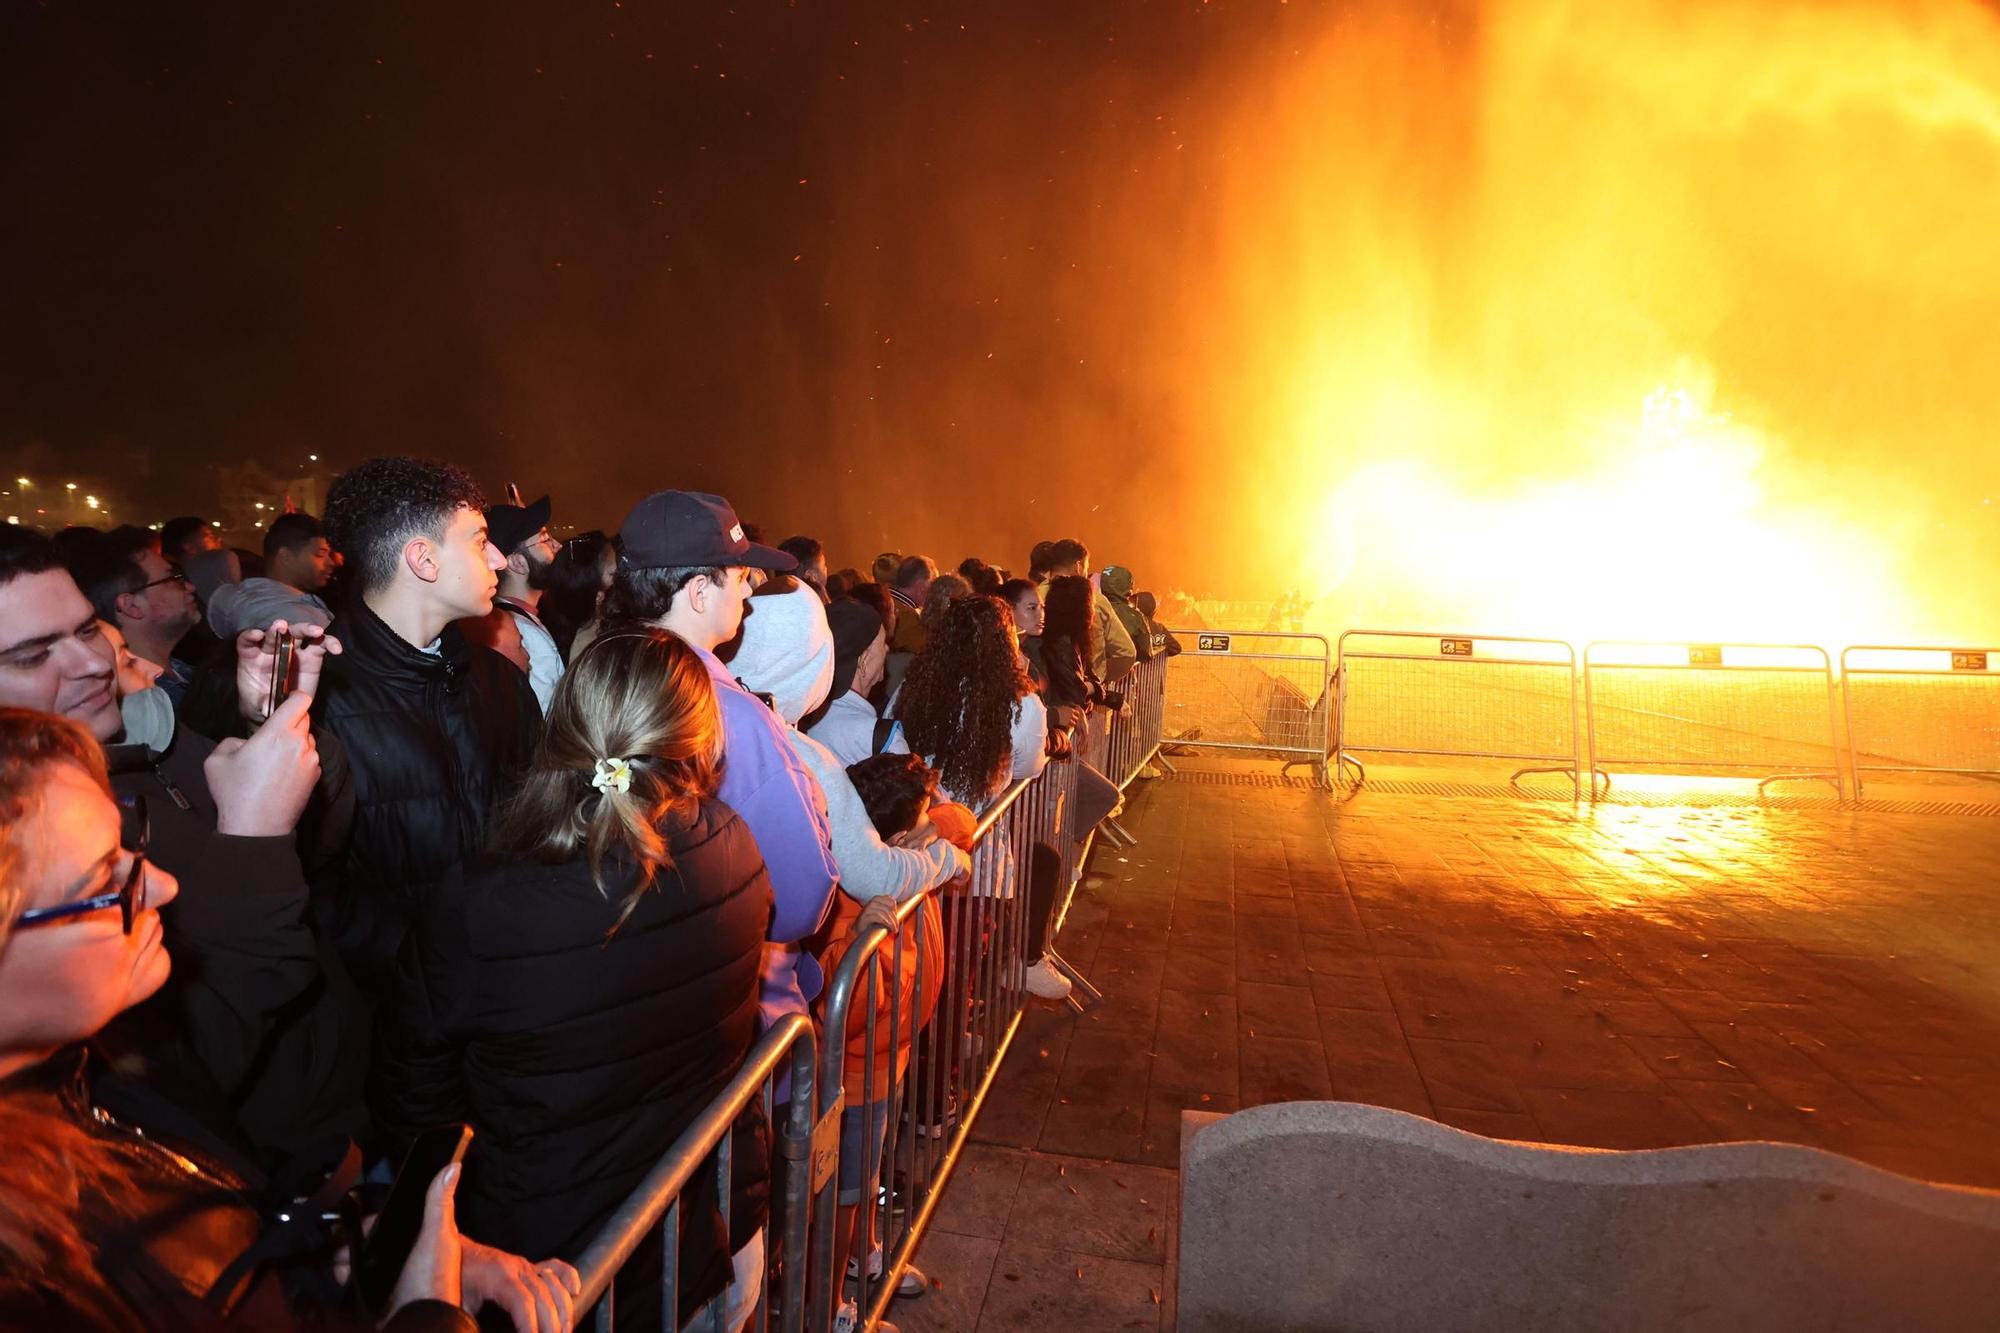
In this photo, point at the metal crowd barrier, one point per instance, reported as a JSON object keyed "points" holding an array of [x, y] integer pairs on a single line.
{"points": [[955, 1057], [1253, 690], [1921, 710], [1130, 743], [1760, 707], [796, 1166], [1490, 696], [953, 1060]]}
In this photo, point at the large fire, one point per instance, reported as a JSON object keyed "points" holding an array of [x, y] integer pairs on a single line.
{"points": [[1625, 320]]}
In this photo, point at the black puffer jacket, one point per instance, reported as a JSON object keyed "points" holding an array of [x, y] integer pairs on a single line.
{"points": [[579, 1060], [256, 999], [430, 740]]}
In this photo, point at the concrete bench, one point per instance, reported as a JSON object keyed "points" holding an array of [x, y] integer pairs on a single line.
{"points": [[1332, 1215]]}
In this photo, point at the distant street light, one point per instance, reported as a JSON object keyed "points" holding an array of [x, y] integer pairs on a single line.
{"points": [[71, 486]]}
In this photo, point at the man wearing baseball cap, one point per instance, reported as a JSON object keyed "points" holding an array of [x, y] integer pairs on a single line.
{"points": [[513, 628], [684, 564]]}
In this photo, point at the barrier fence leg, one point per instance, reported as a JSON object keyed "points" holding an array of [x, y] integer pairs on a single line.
{"points": [[1083, 997]]}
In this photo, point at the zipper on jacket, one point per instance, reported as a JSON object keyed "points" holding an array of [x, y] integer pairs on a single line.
{"points": [[179, 796], [207, 1173]]}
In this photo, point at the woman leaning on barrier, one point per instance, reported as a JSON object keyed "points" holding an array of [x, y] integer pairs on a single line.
{"points": [[580, 994], [969, 709], [129, 1206]]}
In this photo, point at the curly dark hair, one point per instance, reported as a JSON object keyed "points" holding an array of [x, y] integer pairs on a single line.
{"points": [[958, 699], [893, 788], [377, 506], [1067, 612]]}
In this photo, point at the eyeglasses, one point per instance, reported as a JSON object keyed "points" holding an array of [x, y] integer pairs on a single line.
{"points": [[175, 577], [135, 832]]}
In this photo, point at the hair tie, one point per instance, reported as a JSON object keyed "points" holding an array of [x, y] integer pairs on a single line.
{"points": [[612, 775]]}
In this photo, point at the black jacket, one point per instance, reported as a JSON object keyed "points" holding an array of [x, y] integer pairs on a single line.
{"points": [[430, 742], [1071, 681], [579, 1060], [171, 1242], [255, 999]]}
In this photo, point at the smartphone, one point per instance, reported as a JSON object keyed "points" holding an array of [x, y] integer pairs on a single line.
{"points": [[401, 1220], [281, 674]]}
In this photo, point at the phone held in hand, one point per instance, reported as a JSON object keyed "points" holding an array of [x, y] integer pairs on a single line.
{"points": [[388, 1245], [281, 673]]}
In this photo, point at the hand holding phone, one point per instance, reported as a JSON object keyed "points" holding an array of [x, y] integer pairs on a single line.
{"points": [[389, 1244], [281, 673]]}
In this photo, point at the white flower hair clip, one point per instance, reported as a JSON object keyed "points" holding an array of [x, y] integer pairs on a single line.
{"points": [[612, 775]]}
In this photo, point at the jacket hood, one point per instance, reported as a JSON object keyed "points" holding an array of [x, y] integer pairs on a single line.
{"points": [[787, 651], [1116, 582], [255, 603]]}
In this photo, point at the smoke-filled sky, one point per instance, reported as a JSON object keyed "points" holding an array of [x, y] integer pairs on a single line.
{"points": [[1420, 308]]}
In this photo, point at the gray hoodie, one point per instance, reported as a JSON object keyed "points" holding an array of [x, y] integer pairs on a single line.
{"points": [[787, 653]]}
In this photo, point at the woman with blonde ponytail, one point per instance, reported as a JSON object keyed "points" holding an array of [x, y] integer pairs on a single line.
{"points": [[581, 992]]}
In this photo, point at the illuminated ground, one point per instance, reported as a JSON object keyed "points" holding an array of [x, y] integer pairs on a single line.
{"points": [[1630, 976]]}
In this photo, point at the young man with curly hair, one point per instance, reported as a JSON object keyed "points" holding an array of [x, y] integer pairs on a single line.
{"points": [[433, 729]]}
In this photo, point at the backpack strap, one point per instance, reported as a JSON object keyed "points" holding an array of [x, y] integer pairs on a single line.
{"points": [[884, 729]]}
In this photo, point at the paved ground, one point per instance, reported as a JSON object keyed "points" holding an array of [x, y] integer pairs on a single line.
{"points": [[1623, 977]]}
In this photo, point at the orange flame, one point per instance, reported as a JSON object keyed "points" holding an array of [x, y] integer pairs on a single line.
{"points": [[1633, 320]]}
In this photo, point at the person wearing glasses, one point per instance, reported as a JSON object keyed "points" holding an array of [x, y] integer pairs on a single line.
{"points": [[127, 1205], [150, 601], [514, 628], [255, 1009]]}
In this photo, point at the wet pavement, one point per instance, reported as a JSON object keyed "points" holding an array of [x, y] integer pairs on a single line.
{"points": [[1629, 975]]}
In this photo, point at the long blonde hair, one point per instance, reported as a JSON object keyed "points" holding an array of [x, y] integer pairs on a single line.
{"points": [[641, 696], [51, 1165]]}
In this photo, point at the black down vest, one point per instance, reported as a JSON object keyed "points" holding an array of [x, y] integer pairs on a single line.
{"points": [[431, 741]]}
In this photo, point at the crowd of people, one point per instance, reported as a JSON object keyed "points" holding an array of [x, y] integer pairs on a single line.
{"points": [[423, 817]]}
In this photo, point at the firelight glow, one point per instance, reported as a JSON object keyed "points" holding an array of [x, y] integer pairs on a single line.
{"points": [[1626, 321]]}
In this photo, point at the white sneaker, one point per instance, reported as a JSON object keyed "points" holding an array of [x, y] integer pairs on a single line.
{"points": [[1045, 981], [911, 1285], [847, 1319]]}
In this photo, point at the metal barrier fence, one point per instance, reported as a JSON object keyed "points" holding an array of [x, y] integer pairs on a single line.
{"points": [[1264, 692], [1132, 737], [1765, 708], [952, 1059], [1921, 710], [1490, 696], [927, 1101], [796, 1162]]}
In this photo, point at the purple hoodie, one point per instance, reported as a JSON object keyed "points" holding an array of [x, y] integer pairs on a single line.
{"points": [[764, 782]]}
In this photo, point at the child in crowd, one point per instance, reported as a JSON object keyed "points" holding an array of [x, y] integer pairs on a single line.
{"points": [[898, 791]]}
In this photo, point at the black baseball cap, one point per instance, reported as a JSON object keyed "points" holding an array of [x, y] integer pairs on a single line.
{"points": [[678, 529], [507, 526], [855, 627]]}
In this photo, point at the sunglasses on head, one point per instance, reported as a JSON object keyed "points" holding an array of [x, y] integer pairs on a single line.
{"points": [[135, 831]]}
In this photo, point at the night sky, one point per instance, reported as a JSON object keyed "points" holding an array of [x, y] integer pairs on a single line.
{"points": [[840, 262]]}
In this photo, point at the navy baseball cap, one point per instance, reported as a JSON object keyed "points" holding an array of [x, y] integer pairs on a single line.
{"points": [[678, 529]]}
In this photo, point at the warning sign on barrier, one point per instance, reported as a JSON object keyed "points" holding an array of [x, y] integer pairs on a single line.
{"points": [[1211, 643], [1968, 660], [1704, 654], [1455, 647]]}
